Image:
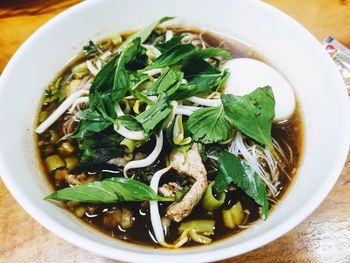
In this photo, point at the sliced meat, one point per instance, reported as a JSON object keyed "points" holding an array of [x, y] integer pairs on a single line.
{"points": [[77, 179], [193, 167], [121, 162], [118, 216], [169, 189]]}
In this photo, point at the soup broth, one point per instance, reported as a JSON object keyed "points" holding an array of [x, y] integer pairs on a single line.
{"points": [[56, 141]]}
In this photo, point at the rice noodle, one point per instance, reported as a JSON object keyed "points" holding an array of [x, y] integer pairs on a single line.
{"points": [[154, 209], [205, 102], [251, 155], [151, 158], [61, 109], [258, 157]]}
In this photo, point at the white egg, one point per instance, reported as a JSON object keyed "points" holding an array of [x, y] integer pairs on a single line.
{"points": [[247, 74]]}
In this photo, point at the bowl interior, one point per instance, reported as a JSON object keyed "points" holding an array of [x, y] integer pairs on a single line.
{"points": [[279, 39]]}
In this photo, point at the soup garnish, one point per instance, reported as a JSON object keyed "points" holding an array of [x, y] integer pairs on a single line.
{"points": [[139, 138]]}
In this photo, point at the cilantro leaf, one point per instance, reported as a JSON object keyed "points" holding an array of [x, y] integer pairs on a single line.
{"points": [[209, 125], [233, 170], [90, 48], [252, 114]]}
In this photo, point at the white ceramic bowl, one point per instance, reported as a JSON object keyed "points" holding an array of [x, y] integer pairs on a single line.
{"points": [[283, 42]]}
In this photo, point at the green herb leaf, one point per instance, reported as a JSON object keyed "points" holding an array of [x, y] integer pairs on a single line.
{"points": [[90, 48], [209, 125], [168, 82], [175, 41], [233, 170], [186, 91], [200, 73], [121, 78], [100, 148], [116, 189], [129, 122], [144, 33], [158, 112], [172, 56], [212, 52], [252, 114]]}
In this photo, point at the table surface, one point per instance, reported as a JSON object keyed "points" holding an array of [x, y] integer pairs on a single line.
{"points": [[323, 237]]}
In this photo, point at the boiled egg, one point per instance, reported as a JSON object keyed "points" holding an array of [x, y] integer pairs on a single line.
{"points": [[247, 74]]}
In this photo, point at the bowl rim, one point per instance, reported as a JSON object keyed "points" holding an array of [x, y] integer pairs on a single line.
{"points": [[72, 237]]}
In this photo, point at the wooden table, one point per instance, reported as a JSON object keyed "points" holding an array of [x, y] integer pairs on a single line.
{"points": [[323, 237]]}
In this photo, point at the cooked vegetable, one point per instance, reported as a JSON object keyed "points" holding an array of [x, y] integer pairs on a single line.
{"points": [[197, 230], [205, 227], [233, 217], [210, 202], [54, 162], [66, 148], [71, 163]]}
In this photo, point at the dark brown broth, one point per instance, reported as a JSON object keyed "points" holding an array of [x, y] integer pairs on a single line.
{"points": [[141, 233]]}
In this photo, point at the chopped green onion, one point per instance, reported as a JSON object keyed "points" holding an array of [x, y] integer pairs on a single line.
{"points": [[233, 216], [209, 201], [54, 162]]}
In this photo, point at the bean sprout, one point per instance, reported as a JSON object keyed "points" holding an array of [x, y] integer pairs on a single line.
{"points": [[151, 158]]}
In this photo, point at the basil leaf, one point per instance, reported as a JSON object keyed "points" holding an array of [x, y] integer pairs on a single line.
{"points": [[150, 118], [172, 56], [144, 33], [233, 170], [129, 122], [116, 189], [175, 41], [100, 148], [168, 82], [86, 127], [109, 86], [200, 73], [209, 125], [121, 81], [92, 121], [211, 52], [186, 91], [104, 79], [252, 114]]}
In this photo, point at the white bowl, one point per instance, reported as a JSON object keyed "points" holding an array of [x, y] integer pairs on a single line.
{"points": [[282, 41]]}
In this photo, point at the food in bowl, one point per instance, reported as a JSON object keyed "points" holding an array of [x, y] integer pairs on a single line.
{"points": [[145, 136]]}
